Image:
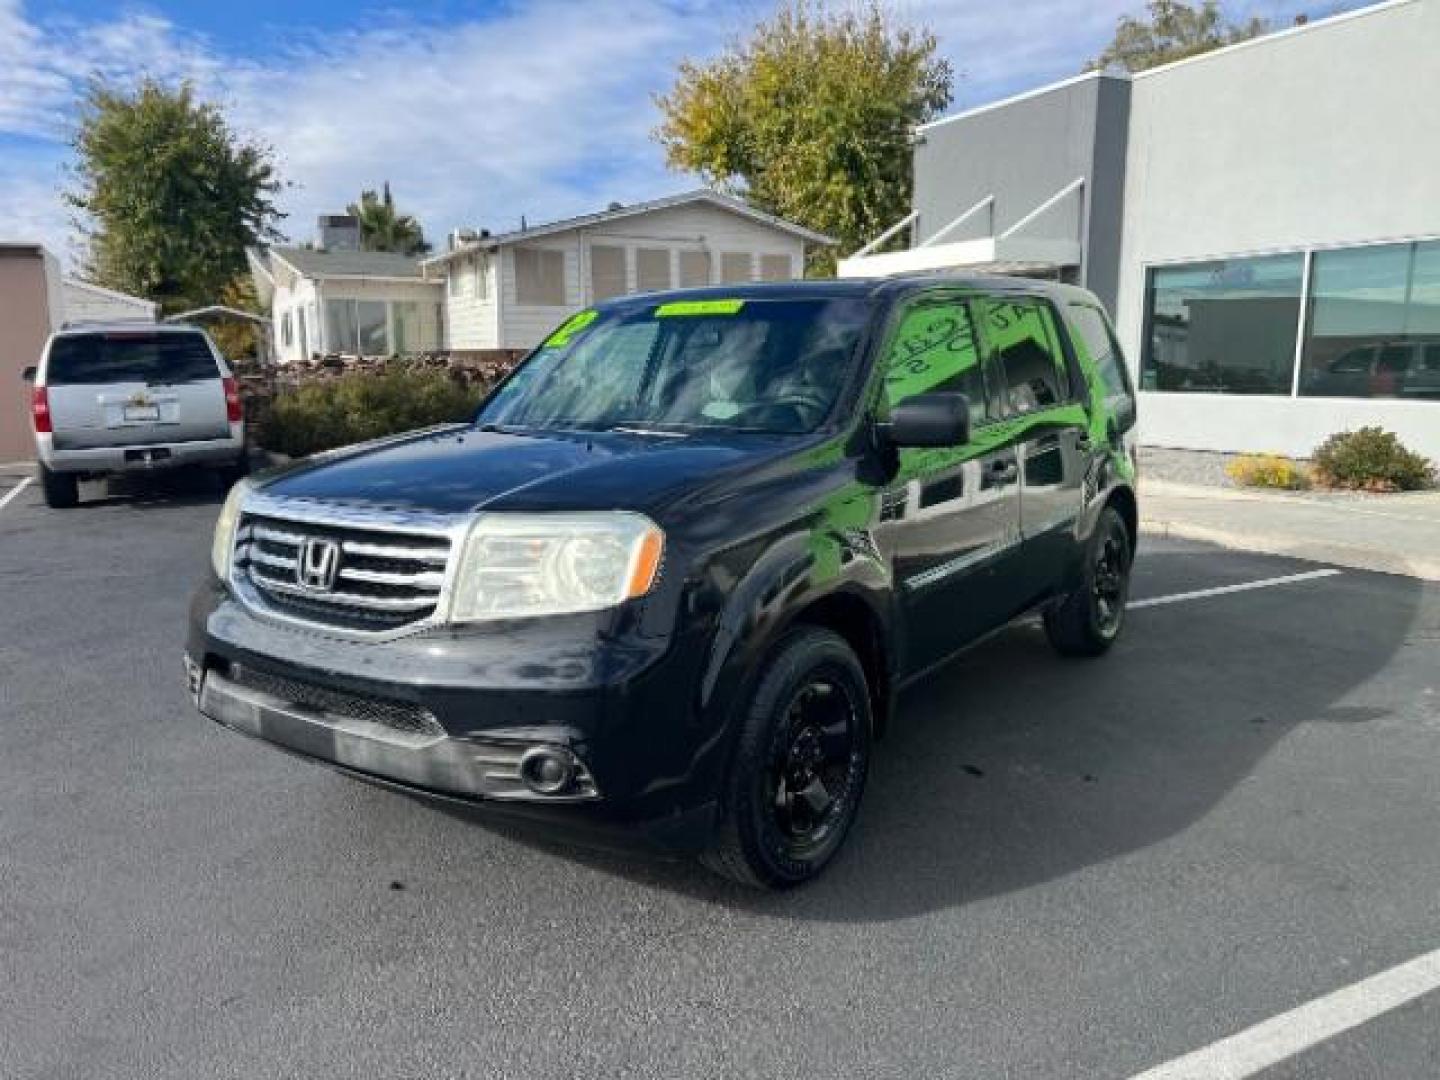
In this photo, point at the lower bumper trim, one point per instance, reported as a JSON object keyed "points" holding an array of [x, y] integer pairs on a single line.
{"points": [[471, 768]]}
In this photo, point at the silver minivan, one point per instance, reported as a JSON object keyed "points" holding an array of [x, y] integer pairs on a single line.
{"points": [[132, 398]]}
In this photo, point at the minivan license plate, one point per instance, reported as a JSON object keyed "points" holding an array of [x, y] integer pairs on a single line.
{"points": [[142, 412]]}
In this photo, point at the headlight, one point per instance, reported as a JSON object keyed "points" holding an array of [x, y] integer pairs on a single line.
{"points": [[516, 565], [222, 548]]}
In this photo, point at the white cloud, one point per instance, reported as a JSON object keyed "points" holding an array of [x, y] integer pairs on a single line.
{"points": [[542, 109]]}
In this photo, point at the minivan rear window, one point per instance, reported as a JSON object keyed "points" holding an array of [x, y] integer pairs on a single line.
{"points": [[154, 358]]}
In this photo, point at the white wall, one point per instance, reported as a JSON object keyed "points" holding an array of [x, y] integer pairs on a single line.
{"points": [[471, 316], [296, 296], [1323, 136]]}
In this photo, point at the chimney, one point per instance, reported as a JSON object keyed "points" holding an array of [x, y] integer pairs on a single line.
{"points": [[337, 232]]}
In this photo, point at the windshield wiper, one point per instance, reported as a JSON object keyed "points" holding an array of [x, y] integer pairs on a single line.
{"points": [[626, 429]]}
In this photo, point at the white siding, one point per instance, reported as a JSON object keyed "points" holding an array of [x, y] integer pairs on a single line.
{"points": [[525, 327], [470, 315], [295, 296]]}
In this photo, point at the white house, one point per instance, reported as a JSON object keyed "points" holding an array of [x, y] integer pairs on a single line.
{"points": [[335, 298], [507, 291]]}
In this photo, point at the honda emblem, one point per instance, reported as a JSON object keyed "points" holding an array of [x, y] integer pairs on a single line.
{"points": [[318, 564]]}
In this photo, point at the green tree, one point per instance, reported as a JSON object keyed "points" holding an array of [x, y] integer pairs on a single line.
{"points": [[169, 195], [1172, 30], [382, 228], [810, 117]]}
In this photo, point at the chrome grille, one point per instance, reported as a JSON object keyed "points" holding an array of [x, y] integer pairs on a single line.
{"points": [[388, 576], [397, 715]]}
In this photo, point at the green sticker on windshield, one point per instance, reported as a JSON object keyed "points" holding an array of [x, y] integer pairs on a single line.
{"points": [[570, 327], [699, 307]]}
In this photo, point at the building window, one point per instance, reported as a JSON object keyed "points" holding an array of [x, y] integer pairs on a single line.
{"points": [[539, 277], [775, 268], [1373, 326], [286, 333], [694, 269], [607, 272], [340, 333], [1223, 327], [370, 327], [479, 272], [415, 326], [652, 269], [735, 267], [456, 280]]}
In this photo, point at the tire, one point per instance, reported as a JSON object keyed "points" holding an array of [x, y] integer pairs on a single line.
{"points": [[62, 490], [1087, 621], [800, 765]]}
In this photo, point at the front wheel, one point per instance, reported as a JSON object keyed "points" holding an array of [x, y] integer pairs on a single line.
{"points": [[800, 766], [1087, 621]]}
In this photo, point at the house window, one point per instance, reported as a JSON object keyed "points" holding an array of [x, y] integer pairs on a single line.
{"points": [[1226, 326], [416, 326], [607, 272], [539, 277], [652, 269], [456, 281], [370, 327], [480, 272], [1373, 327], [694, 269], [775, 268], [340, 333], [735, 267], [286, 331]]}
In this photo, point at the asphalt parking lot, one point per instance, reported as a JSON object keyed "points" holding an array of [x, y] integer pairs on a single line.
{"points": [[1062, 869]]}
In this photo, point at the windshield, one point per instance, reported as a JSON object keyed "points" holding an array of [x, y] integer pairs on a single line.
{"points": [[736, 365], [130, 356]]}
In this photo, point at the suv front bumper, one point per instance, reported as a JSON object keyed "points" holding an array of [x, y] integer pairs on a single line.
{"points": [[451, 716]]}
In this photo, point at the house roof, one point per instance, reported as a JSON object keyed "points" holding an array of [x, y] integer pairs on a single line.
{"points": [[347, 264], [699, 195]]}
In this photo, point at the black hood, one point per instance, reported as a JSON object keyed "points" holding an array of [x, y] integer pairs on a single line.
{"points": [[463, 469]]}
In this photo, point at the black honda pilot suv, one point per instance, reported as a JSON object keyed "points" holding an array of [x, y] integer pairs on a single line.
{"points": [[670, 580]]}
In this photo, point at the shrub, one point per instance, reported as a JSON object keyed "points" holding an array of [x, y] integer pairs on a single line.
{"points": [[1268, 470], [357, 406], [1371, 459]]}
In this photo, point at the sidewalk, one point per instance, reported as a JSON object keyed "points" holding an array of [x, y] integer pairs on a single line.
{"points": [[1395, 534]]}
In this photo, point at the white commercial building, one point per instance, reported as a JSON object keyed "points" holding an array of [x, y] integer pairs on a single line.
{"points": [[1263, 220]]}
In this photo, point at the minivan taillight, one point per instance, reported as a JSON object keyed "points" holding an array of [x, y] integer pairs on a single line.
{"points": [[234, 411], [40, 410]]}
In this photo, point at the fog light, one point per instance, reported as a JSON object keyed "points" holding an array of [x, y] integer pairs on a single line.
{"points": [[547, 770]]}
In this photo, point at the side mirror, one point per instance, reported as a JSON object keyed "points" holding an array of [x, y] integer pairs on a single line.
{"points": [[28, 374], [939, 419]]}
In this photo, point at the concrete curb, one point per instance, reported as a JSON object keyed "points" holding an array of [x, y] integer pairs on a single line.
{"points": [[1354, 556]]}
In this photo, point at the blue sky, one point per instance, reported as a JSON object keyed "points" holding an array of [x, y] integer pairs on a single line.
{"points": [[475, 112]]}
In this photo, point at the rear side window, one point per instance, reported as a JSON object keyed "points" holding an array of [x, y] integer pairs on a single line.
{"points": [[1091, 327], [154, 358], [1022, 334], [935, 349]]}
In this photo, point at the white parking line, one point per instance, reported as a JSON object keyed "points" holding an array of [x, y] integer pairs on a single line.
{"points": [[1222, 590], [1284, 1036], [14, 491]]}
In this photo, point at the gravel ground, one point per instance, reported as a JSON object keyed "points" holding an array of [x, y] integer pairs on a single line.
{"points": [[1185, 466]]}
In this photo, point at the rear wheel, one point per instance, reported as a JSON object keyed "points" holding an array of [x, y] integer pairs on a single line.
{"points": [[1088, 620], [62, 490], [800, 766]]}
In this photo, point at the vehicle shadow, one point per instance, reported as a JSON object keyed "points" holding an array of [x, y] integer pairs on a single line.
{"points": [[1013, 767]]}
